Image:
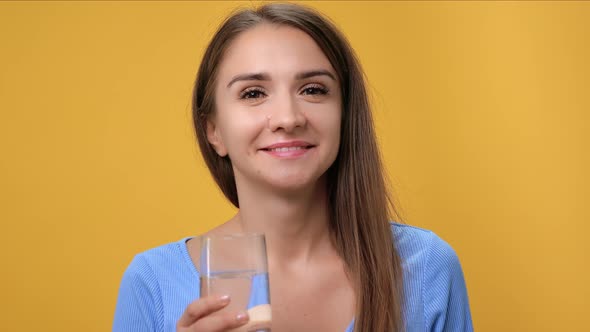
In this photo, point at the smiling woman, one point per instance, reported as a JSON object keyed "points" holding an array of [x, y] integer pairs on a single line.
{"points": [[283, 122], [280, 126]]}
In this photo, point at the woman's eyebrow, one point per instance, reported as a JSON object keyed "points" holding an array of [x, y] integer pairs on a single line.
{"points": [[313, 73], [266, 77], [249, 77]]}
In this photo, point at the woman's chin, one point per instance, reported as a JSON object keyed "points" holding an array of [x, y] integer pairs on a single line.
{"points": [[299, 183]]}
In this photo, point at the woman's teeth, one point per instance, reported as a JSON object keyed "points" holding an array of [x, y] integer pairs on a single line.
{"points": [[292, 148]]}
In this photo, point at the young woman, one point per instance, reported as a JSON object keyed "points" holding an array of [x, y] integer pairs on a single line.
{"points": [[283, 121]]}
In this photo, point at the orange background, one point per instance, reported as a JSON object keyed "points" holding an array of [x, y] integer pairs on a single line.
{"points": [[481, 108]]}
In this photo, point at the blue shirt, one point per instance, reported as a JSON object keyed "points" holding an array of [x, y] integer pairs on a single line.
{"points": [[159, 284]]}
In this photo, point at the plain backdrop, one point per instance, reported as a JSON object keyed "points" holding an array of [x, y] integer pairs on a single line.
{"points": [[482, 116]]}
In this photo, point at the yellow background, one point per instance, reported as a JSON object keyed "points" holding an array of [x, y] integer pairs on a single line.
{"points": [[482, 113]]}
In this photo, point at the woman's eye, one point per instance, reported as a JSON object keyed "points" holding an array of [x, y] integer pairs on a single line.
{"points": [[314, 90], [251, 94]]}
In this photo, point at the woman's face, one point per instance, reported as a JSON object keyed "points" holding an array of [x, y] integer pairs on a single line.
{"points": [[278, 108]]}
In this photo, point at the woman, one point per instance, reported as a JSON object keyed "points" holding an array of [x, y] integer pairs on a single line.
{"points": [[283, 122]]}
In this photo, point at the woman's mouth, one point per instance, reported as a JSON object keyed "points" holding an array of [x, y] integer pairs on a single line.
{"points": [[288, 149], [293, 148]]}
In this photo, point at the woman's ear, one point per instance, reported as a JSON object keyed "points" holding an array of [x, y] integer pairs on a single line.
{"points": [[215, 139]]}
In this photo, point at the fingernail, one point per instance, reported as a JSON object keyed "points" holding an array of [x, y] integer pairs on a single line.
{"points": [[242, 317], [224, 299]]}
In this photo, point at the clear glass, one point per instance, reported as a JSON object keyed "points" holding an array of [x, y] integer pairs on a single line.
{"points": [[236, 265]]}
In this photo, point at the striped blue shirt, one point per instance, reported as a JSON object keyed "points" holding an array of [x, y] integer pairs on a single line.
{"points": [[159, 284]]}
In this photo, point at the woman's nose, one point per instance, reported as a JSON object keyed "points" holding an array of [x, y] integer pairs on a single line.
{"points": [[286, 115]]}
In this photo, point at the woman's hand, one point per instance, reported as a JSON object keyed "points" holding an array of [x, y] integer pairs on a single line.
{"points": [[202, 316]]}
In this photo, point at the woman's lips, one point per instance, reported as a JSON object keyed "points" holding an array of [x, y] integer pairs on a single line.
{"points": [[288, 149]]}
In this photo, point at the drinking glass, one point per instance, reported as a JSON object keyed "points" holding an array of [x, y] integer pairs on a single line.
{"points": [[236, 265]]}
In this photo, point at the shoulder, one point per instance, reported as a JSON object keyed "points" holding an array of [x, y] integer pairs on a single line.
{"points": [[158, 268], [416, 245], [147, 270], [155, 288], [159, 259], [434, 285]]}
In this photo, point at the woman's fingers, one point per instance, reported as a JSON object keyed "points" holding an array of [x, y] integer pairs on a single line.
{"points": [[220, 322], [200, 308], [202, 316]]}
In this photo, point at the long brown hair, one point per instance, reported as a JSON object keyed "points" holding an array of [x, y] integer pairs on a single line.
{"points": [[359, 203]]}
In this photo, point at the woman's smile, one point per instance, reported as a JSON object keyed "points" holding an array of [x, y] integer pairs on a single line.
{"points": [[288, 150]]}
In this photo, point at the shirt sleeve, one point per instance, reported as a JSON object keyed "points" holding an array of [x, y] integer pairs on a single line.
{"points": [[446, 305], [139, 302]]}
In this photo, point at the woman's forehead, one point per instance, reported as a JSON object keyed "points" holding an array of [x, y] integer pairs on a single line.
{"points": [[276, 50]]}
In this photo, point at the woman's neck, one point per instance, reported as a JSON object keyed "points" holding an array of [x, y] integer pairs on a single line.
{"points": [[295, 225]]}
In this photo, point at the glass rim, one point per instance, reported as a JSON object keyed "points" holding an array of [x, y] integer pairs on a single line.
{"points": [[229, 236]]}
